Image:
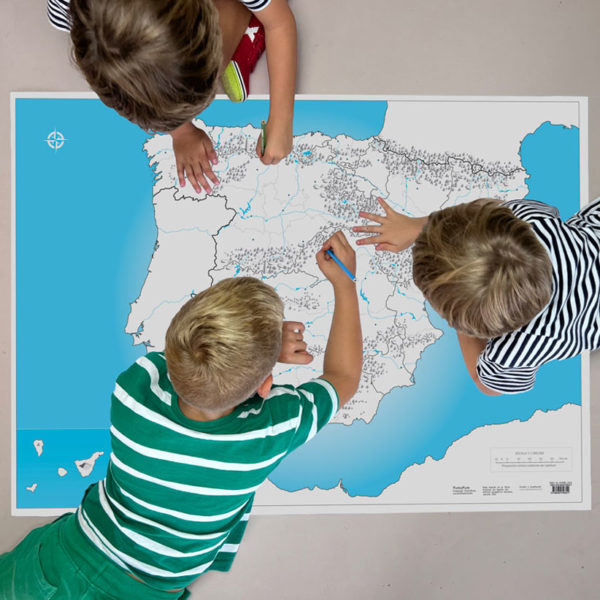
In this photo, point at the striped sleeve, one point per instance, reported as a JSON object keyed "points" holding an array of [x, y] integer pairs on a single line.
{"points": [[58, 14], [505, 380], [255, 5], [527, 209], [318, 402], [588, 217]]}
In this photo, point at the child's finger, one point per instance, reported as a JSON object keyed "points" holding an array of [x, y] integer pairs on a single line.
{"points": [[208, 172], [322, 257], [180, 173], [293, 326], [201, 181], [303, 358], [372, 217], [342, 239], [300, 346], [337, 242], [367, 228], [189, 171], [386, 207], [374, 239], [297, 358]]}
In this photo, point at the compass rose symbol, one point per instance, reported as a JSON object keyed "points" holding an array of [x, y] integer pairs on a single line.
{"points": [[56, 140]]}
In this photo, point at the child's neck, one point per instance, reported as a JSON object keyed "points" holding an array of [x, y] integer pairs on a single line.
{"points": [[197, 414]]}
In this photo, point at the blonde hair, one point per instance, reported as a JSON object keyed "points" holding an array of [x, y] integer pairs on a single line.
{"points": [[156, 62], [482, 268], [224, 342]]}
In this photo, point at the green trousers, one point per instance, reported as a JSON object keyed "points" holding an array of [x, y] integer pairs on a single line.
{"points": [[57, 561]]}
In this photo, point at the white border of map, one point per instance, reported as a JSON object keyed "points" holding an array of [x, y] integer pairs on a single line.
{"points": [[404, 495]]}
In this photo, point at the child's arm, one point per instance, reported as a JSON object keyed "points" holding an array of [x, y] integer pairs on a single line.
{"points": [[194, 156], [471, 348], [395, 231], [280, 40], [342, 363]]}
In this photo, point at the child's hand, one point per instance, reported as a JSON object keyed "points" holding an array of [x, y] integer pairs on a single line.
{"points": [[339, 245], [279, 143], [395, 231], [194, 155], [293, 346]]}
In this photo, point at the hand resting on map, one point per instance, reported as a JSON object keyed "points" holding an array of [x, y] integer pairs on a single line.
{"points": [[394, 231], [194, 156], [293, 346]]}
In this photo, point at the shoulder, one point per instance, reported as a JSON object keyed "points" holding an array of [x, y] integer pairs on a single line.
{"points": [[147, 372], [59, 14], [526, 347], [529, 210], [282, 401], [587, 219]]}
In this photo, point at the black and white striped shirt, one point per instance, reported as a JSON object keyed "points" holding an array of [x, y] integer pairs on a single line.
{"points": [[570, 323], [58, 14], [58, 11]]}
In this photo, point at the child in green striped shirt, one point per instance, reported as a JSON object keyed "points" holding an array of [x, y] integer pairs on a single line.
{"points": [[194, 432]]}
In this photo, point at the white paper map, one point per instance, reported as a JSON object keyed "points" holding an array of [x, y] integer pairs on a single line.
{"points": [[418, 435]]}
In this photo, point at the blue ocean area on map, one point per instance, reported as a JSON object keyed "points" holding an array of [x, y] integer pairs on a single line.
{"points": [[550, 156], [58, 452], [85, 236], [76, 277]]}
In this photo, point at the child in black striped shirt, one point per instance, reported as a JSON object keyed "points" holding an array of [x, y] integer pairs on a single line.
{"points": [[520, 286]]}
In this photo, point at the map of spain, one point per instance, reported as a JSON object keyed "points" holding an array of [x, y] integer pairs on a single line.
{"points": [[410, 437], [269, 222]]}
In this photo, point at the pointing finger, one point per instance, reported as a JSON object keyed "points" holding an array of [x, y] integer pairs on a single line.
{"points": [[386, 207], [372, 217]]}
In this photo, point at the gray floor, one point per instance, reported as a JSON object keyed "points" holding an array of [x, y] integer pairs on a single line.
{"points": [[536, 47]]}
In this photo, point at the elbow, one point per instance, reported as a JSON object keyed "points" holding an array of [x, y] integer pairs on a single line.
{"points": [[348, 391], [484, 389], [489, 392]]}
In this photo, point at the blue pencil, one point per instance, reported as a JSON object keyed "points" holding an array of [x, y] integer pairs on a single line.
{"points": [[340, 264]]}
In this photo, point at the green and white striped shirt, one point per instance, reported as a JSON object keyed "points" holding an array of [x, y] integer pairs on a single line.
{"points": [[178, 492]]}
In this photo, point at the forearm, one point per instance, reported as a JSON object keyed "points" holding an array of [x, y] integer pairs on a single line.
{"points": [[342, 363], [281, 46], [471, 348]]}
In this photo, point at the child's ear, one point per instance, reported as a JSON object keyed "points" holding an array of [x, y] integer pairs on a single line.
{"points": [[265, 387]]}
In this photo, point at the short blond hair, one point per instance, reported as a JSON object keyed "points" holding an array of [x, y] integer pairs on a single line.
{"points": [[482, 268], [156, 62], [224, 342]]}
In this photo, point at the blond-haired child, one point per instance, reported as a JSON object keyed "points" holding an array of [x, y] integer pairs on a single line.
{"points": [[194, 432], [520, 286], [158, 63]]}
